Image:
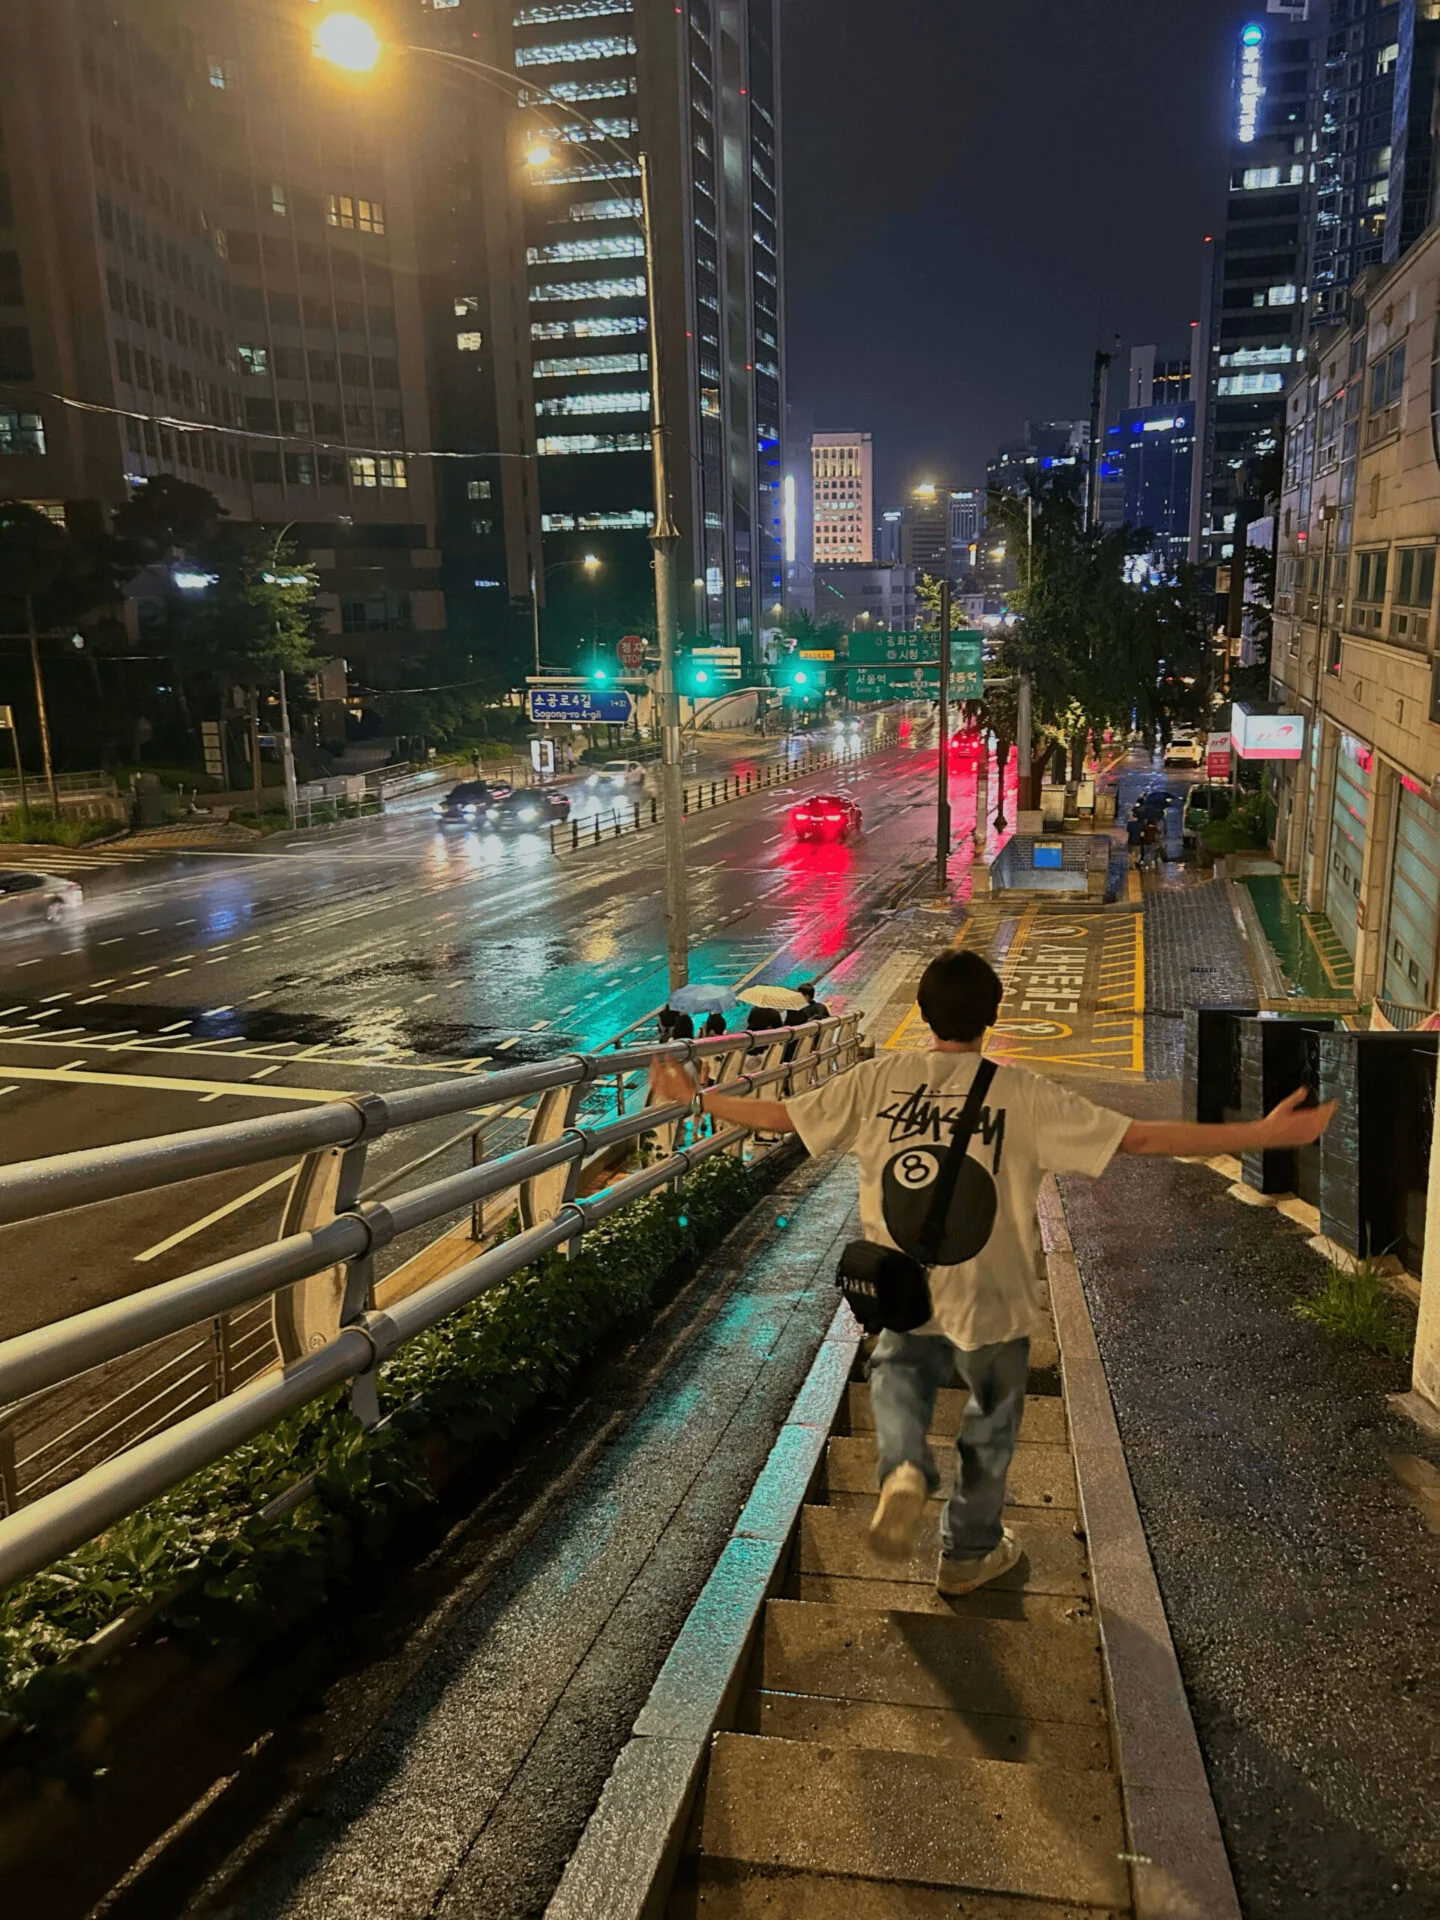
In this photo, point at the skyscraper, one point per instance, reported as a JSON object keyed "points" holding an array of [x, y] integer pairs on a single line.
{"points": [[843, 490], [1254, 316], [697, 89]]}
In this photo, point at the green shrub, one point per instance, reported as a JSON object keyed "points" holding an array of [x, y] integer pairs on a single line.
{"points": [[1245, 829], [207, 1553], [1355, 1304], [34, 826]]}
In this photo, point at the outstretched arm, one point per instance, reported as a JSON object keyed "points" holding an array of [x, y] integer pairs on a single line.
{"points": [[1291, 1124], [675, 1082]]}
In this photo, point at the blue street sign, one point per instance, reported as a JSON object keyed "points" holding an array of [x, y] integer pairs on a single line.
{"points": [[579, 703]]}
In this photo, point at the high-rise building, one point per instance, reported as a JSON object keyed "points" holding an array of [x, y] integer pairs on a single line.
{"points": [[1146, 476], [1047, 445], [967, 524], [887, 537], [697, 89], [925, 532], [1254, 313], [843, 491]]}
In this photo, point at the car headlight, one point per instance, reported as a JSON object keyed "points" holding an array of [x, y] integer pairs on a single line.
{"points": [[529, 813]]}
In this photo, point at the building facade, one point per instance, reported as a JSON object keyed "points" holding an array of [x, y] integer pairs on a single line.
{"points": [[1046, 445], [696, 88], [1254, 317], [843, 496], [860, 596], [1354, 631]]}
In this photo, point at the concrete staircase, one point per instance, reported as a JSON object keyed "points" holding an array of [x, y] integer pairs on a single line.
{"points": [[901, 1756]]}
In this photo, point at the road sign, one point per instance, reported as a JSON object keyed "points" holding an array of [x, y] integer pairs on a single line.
{"points": [[817, 653], [895, 683], [210, 741], [588, 706], [542, 754], [631, 650], [723, 663], [967, 656]]}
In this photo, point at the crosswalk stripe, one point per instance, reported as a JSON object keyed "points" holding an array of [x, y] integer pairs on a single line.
{"points": [[41, 859]]}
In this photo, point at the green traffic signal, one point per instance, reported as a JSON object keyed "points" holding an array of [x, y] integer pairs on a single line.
{"points": [[600, 674]]}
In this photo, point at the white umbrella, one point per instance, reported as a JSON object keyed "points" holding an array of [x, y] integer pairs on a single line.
{"points": [[703, 999], [782, 999]]}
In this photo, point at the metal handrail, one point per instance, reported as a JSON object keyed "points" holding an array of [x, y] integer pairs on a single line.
{"points": [[59, 1521]]}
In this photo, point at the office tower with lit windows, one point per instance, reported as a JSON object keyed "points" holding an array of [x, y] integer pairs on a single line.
{"points": [[696, 87], [201, 228], [1254, 317], [843, 491]]}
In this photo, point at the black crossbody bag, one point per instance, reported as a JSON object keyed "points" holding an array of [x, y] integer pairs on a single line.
{"points": [[886, 1289]]}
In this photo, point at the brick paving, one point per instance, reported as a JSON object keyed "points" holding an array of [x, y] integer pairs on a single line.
{"points": [[1194, 955]]}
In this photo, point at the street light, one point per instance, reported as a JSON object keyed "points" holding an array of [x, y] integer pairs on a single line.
{"points": [[347, 41], [590, 564]]}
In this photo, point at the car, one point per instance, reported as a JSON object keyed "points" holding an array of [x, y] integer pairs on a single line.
{"points": [[527, 809], [617, 773], [465, 805], [27, 897], [826, 816], [1203, 804], [1185, 750]]}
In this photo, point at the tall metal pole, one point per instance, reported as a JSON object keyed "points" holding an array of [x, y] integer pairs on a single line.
{"points": [[287, 745], [41, 708], [665, 539], [942, 798], [535, 616], [1024, 719]]}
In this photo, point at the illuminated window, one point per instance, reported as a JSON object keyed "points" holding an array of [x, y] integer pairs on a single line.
{"points": [[254, 359], [377, 470], [477, 490], [595, 443], [466, 304], [1282, 296], [21, 432], [469, 342], [613, 46], [630, 288], [618, 209], [277, 196], [580, 403], [598, 326], [610, 246], [369, 216], [570, 10]]}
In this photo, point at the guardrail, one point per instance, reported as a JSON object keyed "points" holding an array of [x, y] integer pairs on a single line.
{"points": [[318, 1277]]}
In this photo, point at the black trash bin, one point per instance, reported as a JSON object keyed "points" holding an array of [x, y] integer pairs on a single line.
{"points": [[1375, 1159], [1277, 1055], [1210, 1074]]}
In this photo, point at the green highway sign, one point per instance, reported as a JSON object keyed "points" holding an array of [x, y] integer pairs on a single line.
{"points": [[894, 683], [967, 658]]}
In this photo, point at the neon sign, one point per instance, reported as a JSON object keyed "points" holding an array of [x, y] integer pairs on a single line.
{"points": [[1252, 87]]}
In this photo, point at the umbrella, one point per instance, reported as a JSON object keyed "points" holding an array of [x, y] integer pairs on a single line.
{"points": [[782, 999], [702, 999]]}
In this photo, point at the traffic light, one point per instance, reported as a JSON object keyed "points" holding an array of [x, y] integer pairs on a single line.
{"points": [[799, 681], [600, 672], [697, 678]]}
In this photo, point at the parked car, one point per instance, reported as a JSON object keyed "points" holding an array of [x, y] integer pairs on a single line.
{"points": [[1185, 750], [26, 897], [528, 809], [465, 805], [617, 775], [828, 816], [1203, 804]]}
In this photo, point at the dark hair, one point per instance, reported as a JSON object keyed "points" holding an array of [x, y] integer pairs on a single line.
{"points": [[798, 1017], [713, 1026], [762, 1019], [807, 987], [682, 1027], [959, 996]]}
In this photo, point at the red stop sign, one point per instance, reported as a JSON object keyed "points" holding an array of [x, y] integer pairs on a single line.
{"points": [[631, 651]]}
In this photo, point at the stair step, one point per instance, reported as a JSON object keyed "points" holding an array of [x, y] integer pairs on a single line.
{"points": [[1044, 1420], [834, 1540], [1039, 1476], [983, 1826], [1016, 1668], [723, 1890], [990, 1602], [940, 1731]]}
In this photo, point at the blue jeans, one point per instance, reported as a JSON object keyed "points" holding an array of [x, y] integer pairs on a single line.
{"points": [[907, 1370]]}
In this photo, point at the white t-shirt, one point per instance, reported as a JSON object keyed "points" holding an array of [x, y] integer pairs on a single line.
{"points": [[896, 1114]]}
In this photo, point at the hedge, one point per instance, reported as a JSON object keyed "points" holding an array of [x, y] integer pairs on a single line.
{"points": [[210, 1561]]}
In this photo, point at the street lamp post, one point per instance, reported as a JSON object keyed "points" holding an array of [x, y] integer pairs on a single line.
{"points": [[351, 43], [591, 564]]}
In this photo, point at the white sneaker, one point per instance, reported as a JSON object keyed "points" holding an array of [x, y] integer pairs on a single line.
{"points": [[964, 1576], [897, 1515]]}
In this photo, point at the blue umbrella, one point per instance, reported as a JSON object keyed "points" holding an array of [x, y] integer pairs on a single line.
{"points": [[702, 999]]}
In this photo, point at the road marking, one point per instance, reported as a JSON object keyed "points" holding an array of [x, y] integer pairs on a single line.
{"points": [[177, 1026], [220, 1213], [424, 997], [505, 1045], [90, 999], [264, 1073], [176, 973], [113, 941], [161, 1084], [31, 963]]}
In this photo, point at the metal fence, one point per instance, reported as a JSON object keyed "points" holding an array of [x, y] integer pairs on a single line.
{"points": [[213, 1357]]}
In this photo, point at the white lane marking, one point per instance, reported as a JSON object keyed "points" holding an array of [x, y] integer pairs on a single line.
{"points": [[176, 972], [46, 998], [5, 1090], [162, 1084], [423, 998], [264, 1073], [70, 1066], [145, 932], [177, 1026], [220, 1213], [90, 999], [114, 941], [5, 1012], [31, 963]]}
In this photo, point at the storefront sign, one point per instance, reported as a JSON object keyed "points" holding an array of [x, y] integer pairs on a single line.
{"points": [[1217, 756], [1267, 736]]}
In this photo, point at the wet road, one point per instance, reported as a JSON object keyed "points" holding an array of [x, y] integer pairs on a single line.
{"points": [[210, 989]]}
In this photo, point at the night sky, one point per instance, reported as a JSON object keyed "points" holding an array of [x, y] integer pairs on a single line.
{"points": [[979, 194]]}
